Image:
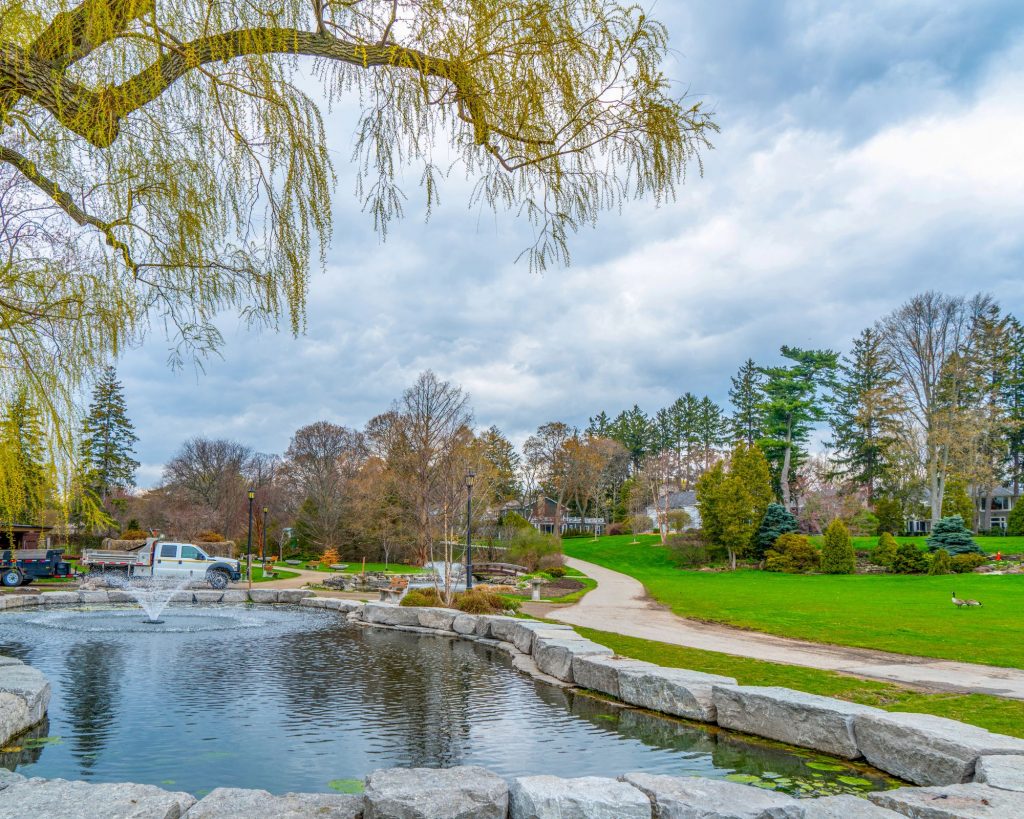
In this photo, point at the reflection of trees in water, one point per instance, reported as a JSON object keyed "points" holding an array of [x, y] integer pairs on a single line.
{"points": [[15, 648], [91, 681], [28, 751]]}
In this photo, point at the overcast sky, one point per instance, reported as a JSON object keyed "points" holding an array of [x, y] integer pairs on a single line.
{"points": [[869, 150]]}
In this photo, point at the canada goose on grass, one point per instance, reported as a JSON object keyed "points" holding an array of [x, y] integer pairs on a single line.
{"points": [[958, 602], [973, 602]]}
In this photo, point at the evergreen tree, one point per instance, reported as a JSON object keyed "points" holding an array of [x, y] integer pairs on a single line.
{"points": [[837, 555], [885, 551], [635, 431], [777, 521], [792, 405], [1013, 403], [956, 501], [941, 564], [909, 560], [599, 426], [108, 439], [1015, 521], [865, 413], [747, 419], [889, 512], [505, 461], [711, 431], [952, 535], [749, 465], [24, 475]]}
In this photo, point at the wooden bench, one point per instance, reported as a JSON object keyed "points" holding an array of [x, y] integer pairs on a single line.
{"points": [[393, 591], [500, 569]]}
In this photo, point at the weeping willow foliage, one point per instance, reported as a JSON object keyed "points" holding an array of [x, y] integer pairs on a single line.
{"points": [[161, 162]]}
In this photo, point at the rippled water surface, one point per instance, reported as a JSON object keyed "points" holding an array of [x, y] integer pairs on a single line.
{"points": [[294, 700]]}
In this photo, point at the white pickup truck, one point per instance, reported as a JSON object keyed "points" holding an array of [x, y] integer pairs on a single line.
{"points": [[160, 558]]}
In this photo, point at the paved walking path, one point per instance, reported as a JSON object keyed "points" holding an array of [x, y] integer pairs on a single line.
{"points": [[620, 604]]}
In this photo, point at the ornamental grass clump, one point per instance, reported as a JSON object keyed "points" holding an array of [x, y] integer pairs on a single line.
{"points": [[837, 555]]}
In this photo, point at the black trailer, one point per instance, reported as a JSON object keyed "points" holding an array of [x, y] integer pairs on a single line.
{"points": [[19, 567]]}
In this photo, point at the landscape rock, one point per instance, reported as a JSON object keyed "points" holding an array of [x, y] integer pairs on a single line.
{"points": [[521, 632], [264, 595], [466, 792], [464, 624], [694, 797], [29, 684], [239, 803], [293, 595], [484, 623], [677, 691], [9, 778], [601, 673], [61, 799], [807, 720], [553, 651], [389, 615], [208, 596], [846, 806], [317, 603], [119, 596], [235, 596], [927, 750], [20, 601], [588, 797], [14, 717], [436, 618], [971, 801], [1001, 771], [59, 598]]}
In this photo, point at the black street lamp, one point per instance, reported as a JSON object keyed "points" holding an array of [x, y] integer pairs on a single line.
{"points": [[263, 537], [470, 475], [248, 543]]}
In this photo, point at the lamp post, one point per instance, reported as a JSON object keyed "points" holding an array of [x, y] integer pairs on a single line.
{"points": [[263, 537], [248, 543], [470, 475]]}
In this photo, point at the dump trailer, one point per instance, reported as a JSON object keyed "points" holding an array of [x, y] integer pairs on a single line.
{"points": [[160, 558], [19, 567]]}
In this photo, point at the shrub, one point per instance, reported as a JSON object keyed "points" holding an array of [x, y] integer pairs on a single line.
{"points": [[483, 601], [792, 554], [330, 556], [570, 533], [678, 519], [889, 512], [640, 523], [531, 548], [951, 534], [689, 549], [967, 562], [885, 552], [909, 560], [549, 562], [513, 520], [210, 537], [865, 522], [837, 555], [941, 563], [1015, 522], [556, 571], [618, 528], [134, 534], [421, 597], [777, 521]]}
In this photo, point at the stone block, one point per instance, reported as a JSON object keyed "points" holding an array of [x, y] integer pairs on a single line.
{"points": [[61, 799], [239, 803], [927, 750], [183, 596], [677, 691], [1001, 771], [294, 596], [587, 797], [553, 651], [96, 596], [971, 801], [264, 595], [390, 615], [60, 598], [9, 778], [846, 806], [694, 797], [19, 601], [464, 624], [316, 603], [119, 596], [521, 632], [234, 596], [208, 596], [436, 618], [807, 720], [601, 673], [465, 792], [484, 623], [14, 716], [29, 684]]}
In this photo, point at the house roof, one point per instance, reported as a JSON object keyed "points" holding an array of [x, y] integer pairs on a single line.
{"points": [[679, 500]]}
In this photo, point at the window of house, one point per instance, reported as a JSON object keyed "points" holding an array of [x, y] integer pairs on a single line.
{"points": [[999, 503], [999, 522]]}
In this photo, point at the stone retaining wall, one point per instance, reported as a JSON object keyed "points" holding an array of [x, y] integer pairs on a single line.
{"points": [[968, 771]]}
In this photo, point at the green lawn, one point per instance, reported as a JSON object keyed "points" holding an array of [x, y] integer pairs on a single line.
{"points": [[994, 713], [258, 577], [1010, 544], [909, 614], [356, 567]]}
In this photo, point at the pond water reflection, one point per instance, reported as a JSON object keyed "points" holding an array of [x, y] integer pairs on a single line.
{"points": [[294, 700]]}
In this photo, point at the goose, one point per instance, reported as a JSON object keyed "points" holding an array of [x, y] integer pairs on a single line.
{"points": [[973, 602], [958, 602]]}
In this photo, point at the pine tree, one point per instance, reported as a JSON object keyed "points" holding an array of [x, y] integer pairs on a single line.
{"points": [[837, 555], [24, 475], [956, 500], [747, 420], [108, 439], [1012, 399], [885, 552], [777, 521], [635, 431], [711, 431], [952, 535], [1015, 522], [865, 414], [941, 564]]}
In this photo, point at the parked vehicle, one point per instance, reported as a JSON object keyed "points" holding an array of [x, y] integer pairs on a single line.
{"points": [[19, 567], [164, 559]]}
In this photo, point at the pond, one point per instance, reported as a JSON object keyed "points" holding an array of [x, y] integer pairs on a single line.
{"points": [[286, 699]]}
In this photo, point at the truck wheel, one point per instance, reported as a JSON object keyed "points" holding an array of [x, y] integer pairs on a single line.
{"points": [[12, 577], [218, 580]]}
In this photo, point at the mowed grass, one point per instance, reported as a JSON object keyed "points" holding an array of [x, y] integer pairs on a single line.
{"points": [[909, 614], [1008, 545], [994, 713]]}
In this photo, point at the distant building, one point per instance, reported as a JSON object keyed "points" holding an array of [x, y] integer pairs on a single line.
{"points": [[24, 536], [545, 511], [991, 513], [678, 501]]}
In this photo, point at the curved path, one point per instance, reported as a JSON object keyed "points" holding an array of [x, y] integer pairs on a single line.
{"points": [[620, 604]]}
